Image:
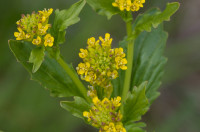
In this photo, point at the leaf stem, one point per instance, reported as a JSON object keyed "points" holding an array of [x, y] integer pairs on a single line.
{"points": [[74, 78], [130, 54]]}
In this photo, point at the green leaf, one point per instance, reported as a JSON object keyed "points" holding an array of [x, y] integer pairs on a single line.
{"points": [[64, 19], [51, 75], [136, 104], [76, 107], [135, 129], [153, 18], [37, 57], [149, 61], [104, 7]]}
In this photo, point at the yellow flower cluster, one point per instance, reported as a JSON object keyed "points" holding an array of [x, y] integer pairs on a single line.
{"points": [[129, 5], [105, 115], [100, 62], [34, 28]]}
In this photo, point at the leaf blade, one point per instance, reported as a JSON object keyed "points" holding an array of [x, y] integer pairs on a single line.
{"points": [[149, 61], [153, 18], [103, 7], [50, 75], [37, 57], [136, 104], [64, 19], [76, 107]]}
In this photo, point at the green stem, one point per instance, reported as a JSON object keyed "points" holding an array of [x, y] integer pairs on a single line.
{"points": [[130, 54], [74, 78]]}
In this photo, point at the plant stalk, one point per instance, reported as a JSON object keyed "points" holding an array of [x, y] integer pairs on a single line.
{"points": [[74, 78], [130, 55]]}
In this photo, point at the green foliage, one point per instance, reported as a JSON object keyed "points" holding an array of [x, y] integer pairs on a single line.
{"points": [[136, 104], [64, 19], [103, 7], [37, 57], [135, 129], [149, 61], [51, 75], [148, 50], [76, 107], [153, 18]]}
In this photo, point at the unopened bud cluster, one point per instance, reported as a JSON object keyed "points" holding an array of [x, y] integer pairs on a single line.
{"points": [[34, 28]]}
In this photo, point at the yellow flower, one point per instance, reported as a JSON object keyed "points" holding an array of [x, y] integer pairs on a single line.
{"points": [[119, 52], [83, 68], [37, 41], [45, 14], [116, 101], [107, 41], [102, 60], [121, 63], [92, 42], [48, 40], [42, 29], [90, 77], [105, 115], [128, 4], [20, 35], [113, 74], [87, 114], [110, 127], [119, 127], [83, 53], [95, 100]]}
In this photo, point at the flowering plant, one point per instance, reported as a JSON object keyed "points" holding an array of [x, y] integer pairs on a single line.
{"points": [[122, 82]]}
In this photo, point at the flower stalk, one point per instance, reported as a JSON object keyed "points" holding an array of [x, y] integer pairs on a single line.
{"points": [[130, 55]]}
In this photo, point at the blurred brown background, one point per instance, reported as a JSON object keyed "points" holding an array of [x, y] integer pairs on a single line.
{"points": [[26, 106]]}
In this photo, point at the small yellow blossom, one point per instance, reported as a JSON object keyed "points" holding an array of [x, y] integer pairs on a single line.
{"points": [[37, 41], [105, 115], [92, 42], [116, 101], [20, 35], [83, 68], [83, 53], [110, 127], [45, 14], [90, 77], [48, 40], [42, 29], [133, 5], [113, 74], [107, 41], [100, 62]]}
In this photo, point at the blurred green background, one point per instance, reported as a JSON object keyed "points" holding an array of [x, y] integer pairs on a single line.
{"points": [[27, 106]]}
